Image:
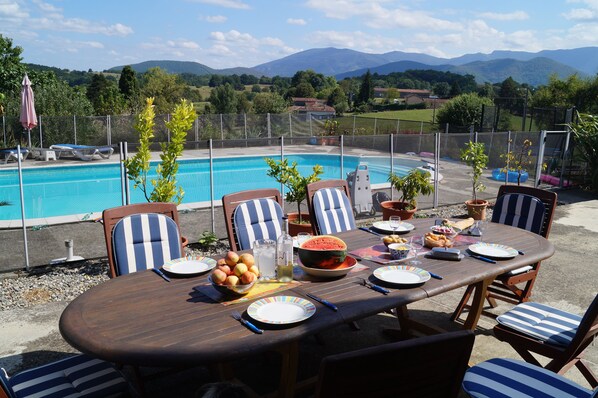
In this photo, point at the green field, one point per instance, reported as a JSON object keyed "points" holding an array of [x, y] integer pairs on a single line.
{"points": [[420, 115]]}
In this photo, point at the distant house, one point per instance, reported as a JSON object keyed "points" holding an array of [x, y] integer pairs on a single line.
{"points": [[317, 108], [403, 92]]}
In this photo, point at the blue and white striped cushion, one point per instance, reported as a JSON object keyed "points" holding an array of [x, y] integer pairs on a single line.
{"points": [[519, 210], [4, 385], [257, 219], [333, 211], [144, 241], [77, 376], [509, 378], [542, 322]]}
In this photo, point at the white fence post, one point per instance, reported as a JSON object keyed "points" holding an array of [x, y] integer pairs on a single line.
{"points": [[23, 207]]}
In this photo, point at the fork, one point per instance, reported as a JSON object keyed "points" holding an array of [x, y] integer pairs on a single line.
{"points": [[246, 323], [372, 286]]}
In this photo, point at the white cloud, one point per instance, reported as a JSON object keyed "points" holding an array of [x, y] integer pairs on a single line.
{"points": [[296, 21], [358, 40], [93, 44], [225, 3], [215, 18], [581, 14], [10, 11], [374, 15], [233, 36], [511, 16], [80, 26]]}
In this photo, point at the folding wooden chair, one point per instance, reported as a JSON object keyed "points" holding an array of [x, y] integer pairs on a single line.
{"points": [[500, 377], [250, 215], [517, 206], [76, 376], [431, 366], [329, 203], [111, 217], [561, 336]]}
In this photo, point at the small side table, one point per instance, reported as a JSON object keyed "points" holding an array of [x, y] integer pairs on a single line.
{"points": [[49, 155]]}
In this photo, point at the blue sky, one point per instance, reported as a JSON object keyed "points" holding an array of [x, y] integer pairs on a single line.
{"points": [[83, 34]]}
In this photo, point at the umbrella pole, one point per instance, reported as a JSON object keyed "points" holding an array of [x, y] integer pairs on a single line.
{"points": [[23, 208], [29, 138]]}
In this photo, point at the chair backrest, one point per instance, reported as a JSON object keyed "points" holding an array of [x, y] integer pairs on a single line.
{"points": [[5, 390], [252, 224], [112, 216], [548, 198], [145, 241], [257, 219], [431, 366], [330, 209], [586, 332]]}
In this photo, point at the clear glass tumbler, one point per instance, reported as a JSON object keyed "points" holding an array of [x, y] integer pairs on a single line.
{"points": [[264, 252]]}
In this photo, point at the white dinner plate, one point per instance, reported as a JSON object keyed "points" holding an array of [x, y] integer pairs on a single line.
{"points": [[402, 274], [281, 310], [493, 250], [189, 265], [403, 227]]}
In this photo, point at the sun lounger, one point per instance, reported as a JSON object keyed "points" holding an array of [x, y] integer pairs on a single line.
{"points": [[83, 152], [11, 153]]}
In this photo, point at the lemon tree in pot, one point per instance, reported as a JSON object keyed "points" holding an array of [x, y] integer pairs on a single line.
{"points": [[416, 182], [474, 156], [296, 184]]}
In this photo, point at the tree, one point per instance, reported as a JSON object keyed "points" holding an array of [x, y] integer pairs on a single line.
{"points": [[269, 103], [338, 100], [366, 90], [455, 89], [128, 86], [166, 89], [11, 69], [105, 96], [464, 110], [510, 94], [223, 99], [303, 90], [243, 104], [442, 89]]}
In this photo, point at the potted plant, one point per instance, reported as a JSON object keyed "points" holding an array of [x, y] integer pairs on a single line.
{"points": [[516, 163], [163, 188], [296, 185], [410, 186], [474, 156]]}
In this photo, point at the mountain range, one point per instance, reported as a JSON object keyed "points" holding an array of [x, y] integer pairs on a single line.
{"points": [[524, 67]]}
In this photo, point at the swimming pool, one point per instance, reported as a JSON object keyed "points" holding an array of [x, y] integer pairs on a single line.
{"points": [[67, 190]]}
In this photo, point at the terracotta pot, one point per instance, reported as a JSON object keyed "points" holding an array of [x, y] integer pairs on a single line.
{"points": [[396, 208], [477, 208], [295, 228]]}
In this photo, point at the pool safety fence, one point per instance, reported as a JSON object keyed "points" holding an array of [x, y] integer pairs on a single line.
{"points": [[437, 152]]}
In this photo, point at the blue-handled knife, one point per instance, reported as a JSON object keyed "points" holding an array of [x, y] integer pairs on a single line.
{"points": [[486, 259], [322, 301], [246, 323], [372, 286], [435, 276], [159, 272], [370, 231]]}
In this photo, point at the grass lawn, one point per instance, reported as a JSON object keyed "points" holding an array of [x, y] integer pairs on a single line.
{"points": [[420, 115]]}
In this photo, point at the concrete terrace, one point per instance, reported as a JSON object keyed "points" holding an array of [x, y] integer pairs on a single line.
{"points": [[567, 280]]}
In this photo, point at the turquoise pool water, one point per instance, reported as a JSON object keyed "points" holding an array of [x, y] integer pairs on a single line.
{"points": [[67, 190]]}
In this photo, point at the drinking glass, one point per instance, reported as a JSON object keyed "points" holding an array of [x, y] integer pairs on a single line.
{"points": [[482, 225], [394, 222], [264, 251], [417, 243], [302, 237]]}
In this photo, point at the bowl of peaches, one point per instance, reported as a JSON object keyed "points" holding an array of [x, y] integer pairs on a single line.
{"points": [[235, 275]]}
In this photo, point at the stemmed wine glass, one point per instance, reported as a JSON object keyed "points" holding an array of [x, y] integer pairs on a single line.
{"points": [[417, 243], [395, 223]]}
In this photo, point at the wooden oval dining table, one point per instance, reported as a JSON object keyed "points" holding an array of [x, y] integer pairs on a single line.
{"points": [[141, 319]]}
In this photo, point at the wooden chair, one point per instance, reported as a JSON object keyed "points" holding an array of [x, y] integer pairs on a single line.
{"points": [[266, 214], [547, 331], [330, 210], [499, 377], [508, 286], [431, 366], [76, 376], [112, 216]]}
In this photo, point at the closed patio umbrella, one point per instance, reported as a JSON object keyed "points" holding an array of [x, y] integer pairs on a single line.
{"points": [[28, 117]]}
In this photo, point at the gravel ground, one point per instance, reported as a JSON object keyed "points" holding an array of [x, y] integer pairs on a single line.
{"points": [[65, 282]]}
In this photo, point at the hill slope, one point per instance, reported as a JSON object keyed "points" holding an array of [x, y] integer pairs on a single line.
{"points": [[179, 67]]}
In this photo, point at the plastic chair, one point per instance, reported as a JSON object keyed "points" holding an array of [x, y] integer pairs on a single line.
{"points": [[527, 208], [76, 376], [250, 215], [500, 377], [112, 216], [559, 335], [431, 366], [329, 203]]}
